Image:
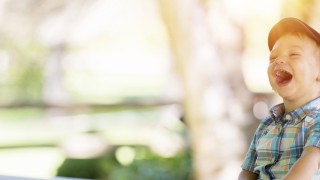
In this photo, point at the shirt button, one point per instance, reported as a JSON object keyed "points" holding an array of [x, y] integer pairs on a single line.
{"points": [[288, 117]]}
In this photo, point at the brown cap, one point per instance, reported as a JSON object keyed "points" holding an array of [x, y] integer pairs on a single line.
{"points": [[291, 25]]}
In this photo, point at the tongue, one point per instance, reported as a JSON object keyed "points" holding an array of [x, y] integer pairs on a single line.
{"points": [[283, 77]]}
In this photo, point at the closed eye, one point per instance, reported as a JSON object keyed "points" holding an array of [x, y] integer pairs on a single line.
{"points": [[272, 58], [294, 54]]}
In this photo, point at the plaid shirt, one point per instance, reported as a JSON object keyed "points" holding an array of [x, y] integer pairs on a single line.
{"points": [[280, 138]]}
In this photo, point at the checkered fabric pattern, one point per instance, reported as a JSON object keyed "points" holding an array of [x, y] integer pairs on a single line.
{"points": [[280, 138]]}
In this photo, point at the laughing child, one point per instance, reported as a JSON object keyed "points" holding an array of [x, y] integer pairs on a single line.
{"points": [[286, 145]]}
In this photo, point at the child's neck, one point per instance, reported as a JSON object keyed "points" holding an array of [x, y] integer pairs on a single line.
{"points": [[289, 107], [292, 105]]}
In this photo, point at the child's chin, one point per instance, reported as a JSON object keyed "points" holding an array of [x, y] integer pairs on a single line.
{"points": [[283, 91], [284, 94]]}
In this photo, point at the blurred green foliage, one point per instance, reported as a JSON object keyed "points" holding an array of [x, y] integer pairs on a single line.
{"points": [[20, 114], [82, 168], [147, 165], [24, 75]]}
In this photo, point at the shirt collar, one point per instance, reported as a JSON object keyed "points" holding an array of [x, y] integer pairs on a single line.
{"points": [[279, 116]]}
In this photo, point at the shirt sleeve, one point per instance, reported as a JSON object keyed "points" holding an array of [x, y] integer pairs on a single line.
{"points": [[251, 156], [313, 138]]}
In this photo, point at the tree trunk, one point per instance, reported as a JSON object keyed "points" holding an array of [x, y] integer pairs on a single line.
{"points": [[203, 81]]}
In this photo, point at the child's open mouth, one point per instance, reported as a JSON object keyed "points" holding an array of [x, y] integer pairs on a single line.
{"points": [[282, 77]]}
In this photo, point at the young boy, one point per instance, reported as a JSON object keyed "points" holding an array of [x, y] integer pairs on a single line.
{"points": [[286, 144]]}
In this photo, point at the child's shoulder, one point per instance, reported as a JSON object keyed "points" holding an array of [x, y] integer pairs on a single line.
{"points": [[266, 122], [313, 113]]}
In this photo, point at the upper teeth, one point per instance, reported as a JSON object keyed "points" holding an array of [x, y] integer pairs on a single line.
{"points": [[278, 72]]}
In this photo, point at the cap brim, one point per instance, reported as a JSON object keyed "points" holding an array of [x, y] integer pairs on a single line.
{"points": [[291, 25]]}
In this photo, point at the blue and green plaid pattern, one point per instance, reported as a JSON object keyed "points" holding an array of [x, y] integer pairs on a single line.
{"points": [[280, 138]]}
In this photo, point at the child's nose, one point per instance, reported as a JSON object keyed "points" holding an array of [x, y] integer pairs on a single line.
{"points": [[280, 60]]}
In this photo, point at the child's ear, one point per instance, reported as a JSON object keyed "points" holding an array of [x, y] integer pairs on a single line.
{"points": [[318, 64], [318, 78]]}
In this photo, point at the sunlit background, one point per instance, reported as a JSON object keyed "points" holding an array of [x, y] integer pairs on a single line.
{"points": [[135, 89]]}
